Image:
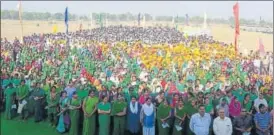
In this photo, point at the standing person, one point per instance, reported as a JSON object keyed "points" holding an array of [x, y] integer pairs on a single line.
{"points": [[163, 115], [234, 108], [133, 116], [22, 93], [223, 104], [119, 108], [247, 104], [63, 122], [191, 109], [37, 95], [9, 99], [243, 123], [52, 100], [180, 115], [147, 118], [104, 109], [258, 101], [222, 125], [89, 108], [74, 106], [263, 121], [200, 122], [70, 89]]}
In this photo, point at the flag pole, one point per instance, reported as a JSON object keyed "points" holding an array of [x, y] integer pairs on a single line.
{"points": [[20, 17]]}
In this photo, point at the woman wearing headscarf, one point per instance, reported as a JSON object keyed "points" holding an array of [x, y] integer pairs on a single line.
{"points": [[148, 118], [89, 108], [104, 109], [234, 108], [74, 106]]}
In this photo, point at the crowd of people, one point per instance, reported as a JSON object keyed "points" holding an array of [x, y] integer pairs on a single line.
{"points": [[132, 80]]}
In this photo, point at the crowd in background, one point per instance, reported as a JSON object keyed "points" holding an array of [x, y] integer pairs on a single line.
{"points": [[131, 80]]}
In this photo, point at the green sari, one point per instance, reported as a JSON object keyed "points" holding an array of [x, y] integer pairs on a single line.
{"points": [[9, 95], [163, 112], [119, 121], [89, 121], [190, 111], [104, 119], [52, 107], [177, 121], [74, 117], [247, 105]]}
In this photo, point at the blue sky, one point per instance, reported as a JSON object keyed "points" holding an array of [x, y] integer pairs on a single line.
{"points": [[216, 9]]}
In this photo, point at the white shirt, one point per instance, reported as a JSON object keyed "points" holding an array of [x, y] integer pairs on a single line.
{"points": [[222, 126], [259, 101]]}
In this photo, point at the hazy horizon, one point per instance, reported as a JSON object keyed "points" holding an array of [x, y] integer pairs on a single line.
{"points": [[214, 9]]}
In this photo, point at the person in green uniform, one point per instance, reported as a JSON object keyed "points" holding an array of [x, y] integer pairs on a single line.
{"points": [[163, 115], [104, 109], [52, 100], [9, 100], [247, 104], [180, 115], [82, 91], [22, 93], [74, 113], [191, 109], [89, 108], [37, 95], [119, 108]]}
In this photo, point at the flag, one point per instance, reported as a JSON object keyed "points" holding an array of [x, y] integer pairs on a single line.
{"points": [[237, 25], [54, 29], [19, 7], [205, 20], [139, 19], [187, 19], [261, 47], [66, 19]]}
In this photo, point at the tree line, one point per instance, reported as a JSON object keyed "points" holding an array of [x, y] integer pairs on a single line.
{"points": [[13, 15]]}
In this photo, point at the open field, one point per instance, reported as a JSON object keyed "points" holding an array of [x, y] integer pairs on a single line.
{"points": [[248, 40]]}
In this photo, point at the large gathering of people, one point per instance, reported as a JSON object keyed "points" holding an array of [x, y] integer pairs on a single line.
{"points": [[121, 80]]}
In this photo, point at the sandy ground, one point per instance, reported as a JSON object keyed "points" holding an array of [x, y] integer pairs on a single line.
{"points": [[247, 40]]}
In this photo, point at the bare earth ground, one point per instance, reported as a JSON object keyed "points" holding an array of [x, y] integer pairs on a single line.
{"points": [[247, 40]]}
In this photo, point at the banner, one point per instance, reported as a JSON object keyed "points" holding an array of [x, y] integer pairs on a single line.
{"points": [[54, 29]]}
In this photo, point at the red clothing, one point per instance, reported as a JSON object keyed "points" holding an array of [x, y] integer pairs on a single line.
{"points": [[163, 83]]}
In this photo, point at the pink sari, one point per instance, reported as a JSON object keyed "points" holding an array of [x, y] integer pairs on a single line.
{"points": [[235, 108]]}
